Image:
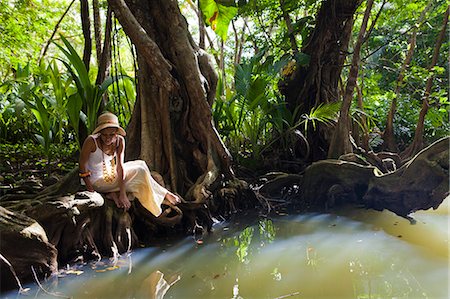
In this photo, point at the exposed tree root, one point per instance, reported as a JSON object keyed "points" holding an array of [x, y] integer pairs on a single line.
{"points": [[420, 184], [23, 244], [84, 226], [80, 225]]}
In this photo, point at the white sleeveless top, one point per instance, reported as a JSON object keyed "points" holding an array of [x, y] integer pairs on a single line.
{"points": [[95, 161]]}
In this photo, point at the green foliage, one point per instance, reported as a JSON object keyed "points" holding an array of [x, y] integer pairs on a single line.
{"points": [[382, 56], [244, 242], [289, 130], [40, 105], [37, 99], [121, 97], [267, 231], [218, 15], [16, 121], [85, 103], [26, 161], [255, 118], [268, 27], [387, 48], [25, 26], [39, 102], [241, 116]]}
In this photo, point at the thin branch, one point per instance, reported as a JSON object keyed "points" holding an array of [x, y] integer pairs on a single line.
{"points": [[388, 135], [288, 295], [211, 43], [42, 288], [97, 30], [13, 272], [366, 37], [290, 29], [44, 51], [417, 143], [86, 26], [105, 59]]}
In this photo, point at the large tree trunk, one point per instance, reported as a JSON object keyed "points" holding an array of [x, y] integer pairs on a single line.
{"points": [[171, 128], [317, 82], [340, 143]]}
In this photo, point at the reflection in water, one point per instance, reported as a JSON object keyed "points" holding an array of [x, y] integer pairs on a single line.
{"points": [[243, 240], [352, 253], [155, 285]]}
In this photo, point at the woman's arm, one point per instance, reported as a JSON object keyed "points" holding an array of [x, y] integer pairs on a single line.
{"points": [[87, 148]]}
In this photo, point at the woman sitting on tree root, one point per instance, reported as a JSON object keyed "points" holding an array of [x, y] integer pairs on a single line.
{"points": [[102, 169]]}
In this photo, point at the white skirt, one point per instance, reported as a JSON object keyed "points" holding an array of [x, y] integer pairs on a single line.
{"points": [[140, 183]]}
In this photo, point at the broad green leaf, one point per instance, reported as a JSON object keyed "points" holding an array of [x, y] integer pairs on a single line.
{"points": [[218, 16]]}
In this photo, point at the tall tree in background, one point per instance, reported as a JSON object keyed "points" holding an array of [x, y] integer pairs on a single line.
{"points": [[340, 143], [171, 127], [86, 26], [418, 143], [388, 136], [317, 81], [97, 30]]}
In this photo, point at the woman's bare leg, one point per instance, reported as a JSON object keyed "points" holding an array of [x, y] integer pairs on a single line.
{"points": [[113, 196]]}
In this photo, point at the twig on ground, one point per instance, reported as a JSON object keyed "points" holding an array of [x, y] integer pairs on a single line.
{"points": [[11, 268], [288, 295]]}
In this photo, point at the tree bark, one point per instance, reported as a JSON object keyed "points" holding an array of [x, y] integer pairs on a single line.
{"points": [[97, 30], [388, 136], [417, 143], [364, 138], [340, 143], [24, 248], [86, 26], [318, 81], [201, 25], [420, 184], [237, 59], [222, 64], [105, 58], [174, 81]]}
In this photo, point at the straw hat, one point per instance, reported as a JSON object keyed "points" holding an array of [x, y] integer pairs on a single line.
{"points": [[108, 120]]}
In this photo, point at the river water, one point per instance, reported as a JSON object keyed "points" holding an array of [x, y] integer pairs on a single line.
{"points": [[351, 253]]}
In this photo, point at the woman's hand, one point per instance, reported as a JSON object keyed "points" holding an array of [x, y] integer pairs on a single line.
{"points": [[89, 187], [88, 184]]}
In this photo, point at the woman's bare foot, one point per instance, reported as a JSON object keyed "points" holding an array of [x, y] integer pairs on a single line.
{"points": [[122, 204], [172, 198]]}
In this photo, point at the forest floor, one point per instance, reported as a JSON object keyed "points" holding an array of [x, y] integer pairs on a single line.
{"points": [[26, 168]]}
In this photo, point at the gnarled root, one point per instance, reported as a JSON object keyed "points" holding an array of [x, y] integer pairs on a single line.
{"points": [[23, 244], [420, 184]]}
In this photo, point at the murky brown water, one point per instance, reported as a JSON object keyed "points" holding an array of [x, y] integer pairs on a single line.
{"points": [[349, 254]]}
